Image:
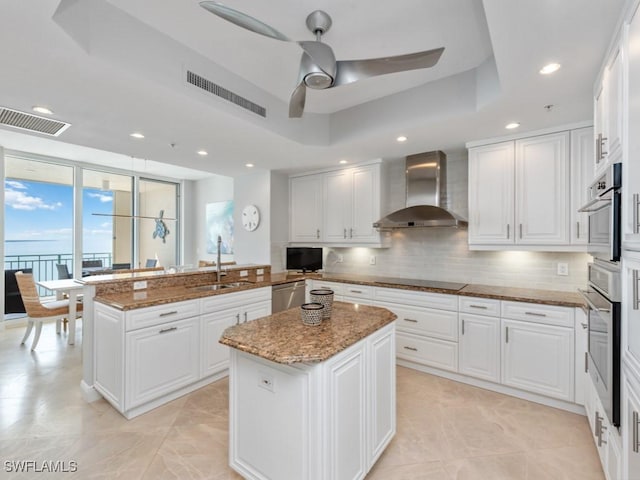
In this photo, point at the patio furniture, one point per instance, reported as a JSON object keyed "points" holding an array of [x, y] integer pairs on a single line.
{"points": [[121, 266], [151, 262], [91, 263], [38, 312], [63, 271], [12, 299]]}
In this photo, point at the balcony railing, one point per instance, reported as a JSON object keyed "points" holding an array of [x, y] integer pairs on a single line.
{"points": [[44, 265]]}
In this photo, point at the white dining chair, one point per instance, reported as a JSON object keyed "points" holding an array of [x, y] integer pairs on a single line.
{"points": [[39, 312]]}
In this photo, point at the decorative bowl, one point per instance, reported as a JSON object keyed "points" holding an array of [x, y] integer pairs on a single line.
{"points": [[311, 313], [325, 297]]}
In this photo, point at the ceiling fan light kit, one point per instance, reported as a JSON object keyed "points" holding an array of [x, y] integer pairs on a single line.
{"points": [[319, 68]]}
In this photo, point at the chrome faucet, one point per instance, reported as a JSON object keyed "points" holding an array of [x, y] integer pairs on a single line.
{"points": [[219, 273]]}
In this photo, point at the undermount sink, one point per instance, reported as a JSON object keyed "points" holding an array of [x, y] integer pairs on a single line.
{"points": [[221, 286]]}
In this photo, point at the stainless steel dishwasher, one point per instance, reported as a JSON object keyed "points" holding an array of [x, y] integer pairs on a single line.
{"points": [[287, 295]]}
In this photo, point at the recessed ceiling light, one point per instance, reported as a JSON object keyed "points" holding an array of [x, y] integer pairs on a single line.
{"points": [[137, 135], [550, 68], [512, 125], [342, 162], [401, 138], [249, 165], [203, 152], [44, 110]]}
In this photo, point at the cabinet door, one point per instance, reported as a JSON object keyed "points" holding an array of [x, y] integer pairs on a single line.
{"points": [[382, 397], [346, 415], [542, 189], [479, 347], [161, 359], [581, 178], [491, 209], [365, 204], [337, 206], [257, 310], [613, 143], [538, 358], [600, 126], [305, 208], [582, 348], [631, 428], [631, 171], [215, 356], [631, 306]]}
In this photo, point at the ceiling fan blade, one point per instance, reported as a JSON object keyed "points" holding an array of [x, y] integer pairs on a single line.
{"points": [[350, 71], [243, 20], [321, 55], [296, 103]]}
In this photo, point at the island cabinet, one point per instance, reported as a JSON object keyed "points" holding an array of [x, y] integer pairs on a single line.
{"points": [[311, 420], [148, 356]]}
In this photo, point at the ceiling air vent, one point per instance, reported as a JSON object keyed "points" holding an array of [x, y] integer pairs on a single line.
{"points": [[209, 86], [32, 123]]}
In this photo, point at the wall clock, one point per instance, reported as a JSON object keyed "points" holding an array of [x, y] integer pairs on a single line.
{"points": [[250, 218]]}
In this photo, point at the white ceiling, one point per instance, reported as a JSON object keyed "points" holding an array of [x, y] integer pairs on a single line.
{"points": [[111, 67]]}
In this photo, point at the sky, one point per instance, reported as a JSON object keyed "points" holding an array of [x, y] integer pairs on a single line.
{"points": [[39, 218]]}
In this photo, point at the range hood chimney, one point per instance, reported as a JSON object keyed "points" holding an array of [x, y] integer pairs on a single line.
{"points": [[426, 196]]}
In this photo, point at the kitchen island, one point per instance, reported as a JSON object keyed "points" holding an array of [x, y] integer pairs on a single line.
{"points": [[311, 402]]}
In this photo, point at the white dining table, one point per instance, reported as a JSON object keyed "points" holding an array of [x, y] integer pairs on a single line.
{"points": [[72, 288]]}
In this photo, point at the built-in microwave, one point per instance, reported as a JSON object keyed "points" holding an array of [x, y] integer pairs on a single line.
{"points": [[605, 218]]}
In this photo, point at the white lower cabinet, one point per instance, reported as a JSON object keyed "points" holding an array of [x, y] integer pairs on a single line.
{"points": [[538, 358], [148, 356], [161, 359], [479, 346], [329, 420], [631, 426]]}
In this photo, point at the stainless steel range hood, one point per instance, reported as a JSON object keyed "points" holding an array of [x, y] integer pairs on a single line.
{"points": [[426, 196]]}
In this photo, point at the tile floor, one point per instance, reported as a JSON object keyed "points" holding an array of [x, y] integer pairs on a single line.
{"points": [[446, 430]]}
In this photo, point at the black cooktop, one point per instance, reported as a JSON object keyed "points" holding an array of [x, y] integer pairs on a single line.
{"points": [[421, 283]]}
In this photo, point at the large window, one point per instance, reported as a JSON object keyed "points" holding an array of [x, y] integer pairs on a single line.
{"points": [[158, 225]]}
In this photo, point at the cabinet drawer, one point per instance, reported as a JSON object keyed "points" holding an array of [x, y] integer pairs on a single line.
{"points": [[357, 291], [235, 299], [533, 312], [427, 351], [440, 301], [480, 306], [425, 321], [147, 317], [336, 287]]}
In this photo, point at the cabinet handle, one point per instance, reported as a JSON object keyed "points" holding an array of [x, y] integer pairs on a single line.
{"points": [[506, 334], [534, 314], [635, 303], [237, 318], [166, 314], [586, 362], [636, 216], [584, 326], [596, 426], [165, 330], [636, 422], [318, 233], [351, 233], [600, 430], [345, 233], [411, 348], [355, 291], [520, 231], [577, 229], [463, 326], [602, 151], [508, 230], [245, 317], [598, 156], [483, 307], [410, 320]]}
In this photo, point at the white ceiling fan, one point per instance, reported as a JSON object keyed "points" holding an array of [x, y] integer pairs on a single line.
{"points": [[319, 68]]}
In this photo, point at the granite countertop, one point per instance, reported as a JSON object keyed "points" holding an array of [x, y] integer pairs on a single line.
{"points": [[283, 338]]}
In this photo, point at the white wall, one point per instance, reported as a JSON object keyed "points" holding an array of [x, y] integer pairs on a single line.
{"points": [[279, 220], [197, 195], [253, 247], [443, 253]]}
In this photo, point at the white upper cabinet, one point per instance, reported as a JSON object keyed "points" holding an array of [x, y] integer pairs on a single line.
{"points": [[542, 189], [520, 194], [608, 113], [581, 177], [343, 212], [631, 168], [305, 208], [491, 209]]}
